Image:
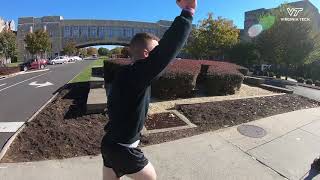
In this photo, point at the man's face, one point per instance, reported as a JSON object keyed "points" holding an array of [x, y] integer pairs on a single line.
{"points": [[143, 52]]}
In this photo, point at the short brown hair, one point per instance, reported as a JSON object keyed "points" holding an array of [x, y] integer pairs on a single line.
{"points": [[141, 39]]}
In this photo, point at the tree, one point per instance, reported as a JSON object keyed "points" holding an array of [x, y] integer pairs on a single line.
{"points": [[91, 51], [245, 54], [83, 52], [8, 44], [125, 53], [116, 52], [287, 43], [103, 51], [70, 48], [38, 42], [211, 38]]}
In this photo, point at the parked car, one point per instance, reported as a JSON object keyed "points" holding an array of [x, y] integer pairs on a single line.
{"points": [[76, 58], [59, 60], [34, 64]]}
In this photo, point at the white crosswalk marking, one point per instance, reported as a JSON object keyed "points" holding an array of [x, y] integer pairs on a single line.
{"points": [[2, 84], [10, 126]]}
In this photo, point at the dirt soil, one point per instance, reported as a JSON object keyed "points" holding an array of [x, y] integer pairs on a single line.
{"points": [[163, 120], [62, 130], [8, 70]]}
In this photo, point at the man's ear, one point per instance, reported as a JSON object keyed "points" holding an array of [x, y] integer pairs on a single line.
{"points": [[145, 53]]}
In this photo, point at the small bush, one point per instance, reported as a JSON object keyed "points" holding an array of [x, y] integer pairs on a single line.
{"points": [[271, 74], [317, 83], [309, 81], [221, 81], [177, 81], [300, 80], [278, 76]]}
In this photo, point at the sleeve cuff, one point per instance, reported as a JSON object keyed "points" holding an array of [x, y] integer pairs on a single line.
{"points": [[187, 14]]}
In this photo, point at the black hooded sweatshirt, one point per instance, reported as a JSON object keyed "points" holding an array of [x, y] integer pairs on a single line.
{"points": [[129, 93]]}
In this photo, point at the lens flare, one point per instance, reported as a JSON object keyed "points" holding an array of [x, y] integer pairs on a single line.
{"points": [[267, 21], [255, 30]]}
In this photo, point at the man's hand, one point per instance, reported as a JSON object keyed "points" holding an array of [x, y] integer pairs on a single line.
{"points": [[187, 4]]}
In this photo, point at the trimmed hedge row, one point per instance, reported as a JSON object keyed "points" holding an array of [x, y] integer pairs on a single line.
{"points": [[181, 77], [178, 81], [221, 80]]}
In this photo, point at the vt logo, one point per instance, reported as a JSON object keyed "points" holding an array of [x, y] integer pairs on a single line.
{"points": [[294, 11]]}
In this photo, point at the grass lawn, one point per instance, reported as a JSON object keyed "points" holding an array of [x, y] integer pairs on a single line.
{"points": [[85, 75], [13, 64]]}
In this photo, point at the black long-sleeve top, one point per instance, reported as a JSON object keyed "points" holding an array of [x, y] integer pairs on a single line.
{"points": [[129, 93]]}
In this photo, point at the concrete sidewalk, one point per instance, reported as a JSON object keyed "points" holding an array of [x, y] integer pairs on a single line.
{"points": [[286, 152]]}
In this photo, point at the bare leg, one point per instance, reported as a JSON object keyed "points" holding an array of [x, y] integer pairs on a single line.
{"points": [[108, 174], [147, 173]]}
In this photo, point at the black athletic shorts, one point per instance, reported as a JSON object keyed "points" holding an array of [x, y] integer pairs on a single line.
{"points": [[121, 159]]}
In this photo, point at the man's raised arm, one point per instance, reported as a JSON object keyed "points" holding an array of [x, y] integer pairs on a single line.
{"points": [[143, 72]]}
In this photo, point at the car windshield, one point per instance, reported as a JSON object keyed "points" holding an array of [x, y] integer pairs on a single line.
{"points": [[174, 89]]}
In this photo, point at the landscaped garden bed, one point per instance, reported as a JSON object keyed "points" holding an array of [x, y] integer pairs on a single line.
{"points": [[8, 70], [63, 130], [186, 78], [163, 120]]}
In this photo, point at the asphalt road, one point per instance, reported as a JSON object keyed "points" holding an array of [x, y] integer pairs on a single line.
{"points": [[19, 100], [306, 92]]}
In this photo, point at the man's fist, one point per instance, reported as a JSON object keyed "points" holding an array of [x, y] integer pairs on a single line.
{"points": [[187, 4]]}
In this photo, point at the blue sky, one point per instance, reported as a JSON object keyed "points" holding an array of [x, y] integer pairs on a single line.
{"points": [[137, 10]]}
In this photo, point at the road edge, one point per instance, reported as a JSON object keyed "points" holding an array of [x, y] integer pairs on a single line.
{"points": [[7, 145], [12, 138]]}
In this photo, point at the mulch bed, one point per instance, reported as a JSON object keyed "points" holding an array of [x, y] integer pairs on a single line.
{"points": [[62, 130], [163, 120], [8, 70]]}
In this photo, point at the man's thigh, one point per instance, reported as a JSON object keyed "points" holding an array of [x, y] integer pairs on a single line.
{"points": [[123, 160], [147, 173]]}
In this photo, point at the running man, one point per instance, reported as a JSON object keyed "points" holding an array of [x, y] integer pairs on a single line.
{"points": [[129, 97]]}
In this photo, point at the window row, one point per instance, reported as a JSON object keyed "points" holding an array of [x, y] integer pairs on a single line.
{"points": [[103, 31]]}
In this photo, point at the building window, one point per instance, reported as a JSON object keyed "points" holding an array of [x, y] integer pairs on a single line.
{"points": [[83, 31], [66, 32], [127, 32], [93, 31], [75, 31], [102, 30]]}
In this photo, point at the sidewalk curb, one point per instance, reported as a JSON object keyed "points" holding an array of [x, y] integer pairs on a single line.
{"points": [[6, 147]]}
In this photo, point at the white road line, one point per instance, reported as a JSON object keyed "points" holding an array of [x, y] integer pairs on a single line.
{"points": [[2, 84], [23, 81], [8, 127]]}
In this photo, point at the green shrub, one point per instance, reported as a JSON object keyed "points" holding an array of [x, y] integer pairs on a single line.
{"points": [[222, 81], [301, 80], [278, 76], [243, 70], [317, 83], [309, 81], [271, 74], [178, 80], [181, 77]]}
